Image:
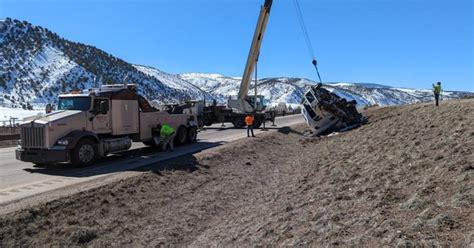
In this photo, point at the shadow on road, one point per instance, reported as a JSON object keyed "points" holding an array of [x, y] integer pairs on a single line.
{"points": [[131, 160]]}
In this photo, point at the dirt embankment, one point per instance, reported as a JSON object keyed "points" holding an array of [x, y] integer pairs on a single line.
{"points": [[406, 178]]}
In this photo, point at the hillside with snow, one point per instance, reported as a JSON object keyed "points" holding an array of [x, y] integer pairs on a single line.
{"points": [[370, 94], [290, 90], [36, 65], [275, 90]]}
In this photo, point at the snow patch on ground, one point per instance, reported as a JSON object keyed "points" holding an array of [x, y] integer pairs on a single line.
{"points": [[7, 113]]}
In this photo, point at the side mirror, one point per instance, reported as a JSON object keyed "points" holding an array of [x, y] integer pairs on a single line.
{"points": [[49, 108], [103, 107]]}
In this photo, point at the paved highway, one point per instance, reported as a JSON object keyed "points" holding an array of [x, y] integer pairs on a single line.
{"points": [[20, 180]]}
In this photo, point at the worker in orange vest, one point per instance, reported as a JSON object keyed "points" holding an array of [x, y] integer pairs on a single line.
{"points": [[249, 122]]}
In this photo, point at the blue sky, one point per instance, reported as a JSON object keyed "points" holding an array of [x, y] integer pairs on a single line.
{"points": [[407, 43]]}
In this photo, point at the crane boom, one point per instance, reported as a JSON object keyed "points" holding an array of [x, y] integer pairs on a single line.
{"points": [[255, 49]]}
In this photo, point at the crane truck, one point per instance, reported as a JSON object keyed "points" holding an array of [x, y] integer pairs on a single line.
{"points": [[92, 123], [247, 103], [244, 104]]}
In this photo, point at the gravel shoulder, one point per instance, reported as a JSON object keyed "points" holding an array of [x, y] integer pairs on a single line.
{"points": [[406, 178]]}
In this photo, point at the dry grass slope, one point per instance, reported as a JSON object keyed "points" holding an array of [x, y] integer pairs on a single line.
{"points": [[404, 179]]}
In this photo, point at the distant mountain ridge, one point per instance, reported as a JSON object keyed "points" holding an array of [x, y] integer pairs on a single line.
{"points": [[290, 90], [36, 65]]}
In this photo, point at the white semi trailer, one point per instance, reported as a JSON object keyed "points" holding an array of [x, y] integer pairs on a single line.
{"points": [[93, 123]]}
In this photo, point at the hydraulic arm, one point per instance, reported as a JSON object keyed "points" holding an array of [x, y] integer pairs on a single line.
{"points": [[244, 103], [255, 49]]}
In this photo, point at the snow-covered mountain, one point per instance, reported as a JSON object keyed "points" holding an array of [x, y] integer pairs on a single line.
{"points": [[36, 65], [276, 90], [190, 90], [370, 94], [290, 90]]}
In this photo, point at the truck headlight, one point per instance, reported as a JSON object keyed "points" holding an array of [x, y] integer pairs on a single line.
{"points": [[63, 142]]}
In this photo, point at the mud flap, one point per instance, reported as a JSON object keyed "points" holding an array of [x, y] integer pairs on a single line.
{"points": [[156, 140]]}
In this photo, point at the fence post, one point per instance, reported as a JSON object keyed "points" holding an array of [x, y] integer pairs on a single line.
{"points": [[13, 127]]}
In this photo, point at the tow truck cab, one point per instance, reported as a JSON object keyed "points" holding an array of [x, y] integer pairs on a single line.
{"points": [[92, 123]]}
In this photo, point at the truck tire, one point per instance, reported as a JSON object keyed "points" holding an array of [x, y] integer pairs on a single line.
{"points": [[200, 122], [181, 136], [85, 153], [192, 135], [207, 121], [238, 122], [149, 143], [257, 123]]}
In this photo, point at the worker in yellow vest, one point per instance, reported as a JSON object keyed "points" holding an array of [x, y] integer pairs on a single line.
{"points": [[437, 92], [167, 136]]}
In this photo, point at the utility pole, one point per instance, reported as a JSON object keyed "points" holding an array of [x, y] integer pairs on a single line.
{"points": [[12, 122]]}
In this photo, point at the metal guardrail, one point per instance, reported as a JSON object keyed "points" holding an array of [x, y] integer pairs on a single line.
{"points": [[9, 137], [9, 130]]}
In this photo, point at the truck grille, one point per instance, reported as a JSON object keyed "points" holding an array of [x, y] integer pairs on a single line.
{"points": [[32, 137]]}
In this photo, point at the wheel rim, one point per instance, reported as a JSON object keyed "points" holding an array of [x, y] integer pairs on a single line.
{"points": [[86, 153], [192, 135]]}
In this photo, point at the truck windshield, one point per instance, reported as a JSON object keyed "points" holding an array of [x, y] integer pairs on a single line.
{"points": [[263, 101], [74, 103]]}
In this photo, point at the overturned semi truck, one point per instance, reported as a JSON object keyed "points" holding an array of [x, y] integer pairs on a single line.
{"points": [[326, 112]]}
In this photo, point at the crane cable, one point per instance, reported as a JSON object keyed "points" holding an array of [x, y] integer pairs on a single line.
{"points": [[306, 37]]}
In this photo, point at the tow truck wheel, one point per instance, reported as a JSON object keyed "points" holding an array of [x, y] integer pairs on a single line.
{"points": [[238, 122], [192, 135], [85, 153], [207, 121], [181, 136]]}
